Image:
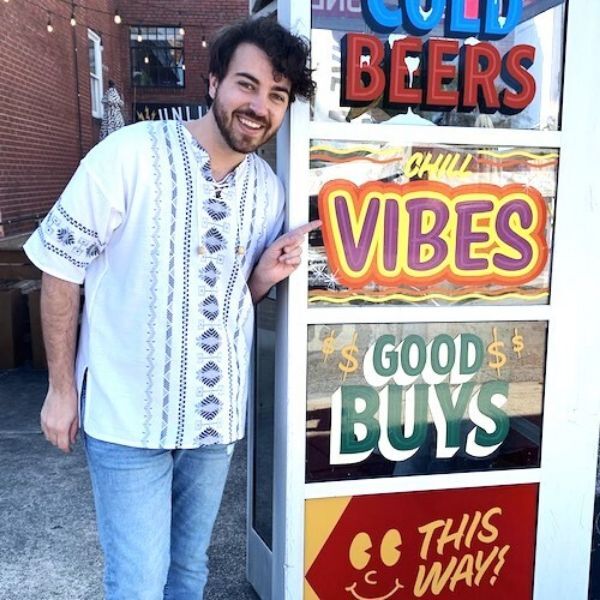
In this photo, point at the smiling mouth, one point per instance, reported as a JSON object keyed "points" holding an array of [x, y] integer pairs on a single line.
{"points": [[352, 590], [250, 123]]}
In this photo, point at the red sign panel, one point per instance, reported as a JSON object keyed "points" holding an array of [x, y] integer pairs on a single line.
{"points": [[464, 544]]}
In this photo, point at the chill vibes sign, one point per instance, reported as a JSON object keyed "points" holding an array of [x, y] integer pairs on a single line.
{"points": [[465, 70], [424, 232]]}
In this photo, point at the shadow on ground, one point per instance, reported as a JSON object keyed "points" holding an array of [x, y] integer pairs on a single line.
{"points": [[48, 543]]}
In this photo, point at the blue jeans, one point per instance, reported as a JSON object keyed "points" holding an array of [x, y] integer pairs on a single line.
{"points": [[155, 511]]}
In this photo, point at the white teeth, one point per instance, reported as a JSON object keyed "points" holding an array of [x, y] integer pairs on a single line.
{"points": [[250, 124]]}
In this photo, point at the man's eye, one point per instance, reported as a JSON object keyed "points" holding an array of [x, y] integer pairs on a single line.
{"points": [[246, 85], [279, 98]]}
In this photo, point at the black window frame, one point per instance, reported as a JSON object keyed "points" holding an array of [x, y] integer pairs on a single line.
{"points": [[156, 38]]}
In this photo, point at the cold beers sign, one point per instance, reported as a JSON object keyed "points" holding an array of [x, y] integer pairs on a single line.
{"points": [[439, 73]]}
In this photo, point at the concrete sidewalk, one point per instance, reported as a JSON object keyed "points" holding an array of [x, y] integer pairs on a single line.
{"points": [[48, 543]]}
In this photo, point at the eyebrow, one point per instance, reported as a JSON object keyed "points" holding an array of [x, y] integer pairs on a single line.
{"points": [[279, 88]]}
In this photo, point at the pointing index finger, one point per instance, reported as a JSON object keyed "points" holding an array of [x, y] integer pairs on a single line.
{"points": [[306, 228]]}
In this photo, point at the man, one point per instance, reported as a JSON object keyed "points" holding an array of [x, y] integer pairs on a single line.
{"points": [[173, 227]]}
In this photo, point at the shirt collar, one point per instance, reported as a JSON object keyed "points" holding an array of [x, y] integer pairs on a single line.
{"points": [[203, 159]]}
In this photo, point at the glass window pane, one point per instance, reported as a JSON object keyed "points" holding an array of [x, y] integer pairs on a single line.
{"points": [[594, 591], [524, 97], [92, 56], [165, 57], [264, 406], [340, 273]]}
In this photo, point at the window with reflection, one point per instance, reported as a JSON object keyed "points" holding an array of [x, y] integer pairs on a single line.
{"points": [[157, 57], [452, 64]]}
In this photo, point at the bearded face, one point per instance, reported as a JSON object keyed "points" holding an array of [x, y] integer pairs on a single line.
{"points": [[249, 103]]}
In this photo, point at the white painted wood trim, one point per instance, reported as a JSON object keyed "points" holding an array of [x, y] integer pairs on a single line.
{"points": [[415, 483], [572, 405]]}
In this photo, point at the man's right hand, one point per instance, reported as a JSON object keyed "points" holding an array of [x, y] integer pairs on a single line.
{"points": [[59, 418], [60, 311]]}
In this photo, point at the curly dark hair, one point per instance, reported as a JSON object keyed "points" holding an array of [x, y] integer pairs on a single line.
{"points": [[288, 52]]}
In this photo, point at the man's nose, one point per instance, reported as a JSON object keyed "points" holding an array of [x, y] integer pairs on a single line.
{"points": [[259, 105]]}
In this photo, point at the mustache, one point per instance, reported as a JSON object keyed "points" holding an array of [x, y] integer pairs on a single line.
{"points": [[252, 115]]}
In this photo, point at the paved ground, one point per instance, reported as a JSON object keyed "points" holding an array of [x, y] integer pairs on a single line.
{"points": [[48, 543]]}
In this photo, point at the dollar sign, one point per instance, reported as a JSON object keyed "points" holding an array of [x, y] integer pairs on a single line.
{"points": [[328, 345], [348, 352], [495, 348], [518, 344]]}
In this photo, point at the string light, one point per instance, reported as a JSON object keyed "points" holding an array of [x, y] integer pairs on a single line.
{"points": [[116, 17], [146, 60]]}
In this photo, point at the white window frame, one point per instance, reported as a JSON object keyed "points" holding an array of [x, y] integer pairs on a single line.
{"points": [[96, 82], [571, 418]]}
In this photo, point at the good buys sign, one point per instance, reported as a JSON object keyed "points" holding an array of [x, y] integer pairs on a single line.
{"points": [[448, 544], [424, 398], [440, 73]]}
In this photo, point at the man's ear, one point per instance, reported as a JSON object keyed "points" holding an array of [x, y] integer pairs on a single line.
{"points": [[213, 84]]}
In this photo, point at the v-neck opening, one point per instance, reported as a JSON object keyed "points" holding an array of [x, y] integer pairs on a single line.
{"points": [[204, 162]]}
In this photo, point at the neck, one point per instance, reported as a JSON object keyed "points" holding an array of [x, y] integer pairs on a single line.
{"points": [[222, 158]]}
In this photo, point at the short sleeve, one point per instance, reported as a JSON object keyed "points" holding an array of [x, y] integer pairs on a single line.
{"points": [[80, 224]]}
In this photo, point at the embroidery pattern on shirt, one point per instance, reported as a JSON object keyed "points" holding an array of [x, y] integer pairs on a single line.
{"points": [[153, 301], [231, 284], [185, 326], [170, 294], [242, 312], [77, 224], [68, 238], [215, 215]]}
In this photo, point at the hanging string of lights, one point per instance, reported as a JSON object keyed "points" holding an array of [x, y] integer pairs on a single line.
{"points": [[77, 7]]}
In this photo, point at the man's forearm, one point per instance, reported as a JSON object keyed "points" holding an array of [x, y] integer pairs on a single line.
{"points": [[60, 313], [258, 287]]}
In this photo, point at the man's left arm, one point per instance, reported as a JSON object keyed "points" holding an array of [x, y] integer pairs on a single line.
{"points": [[278, 261]]}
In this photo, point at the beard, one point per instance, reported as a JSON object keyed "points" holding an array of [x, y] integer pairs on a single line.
{"points": [[239, 142]]}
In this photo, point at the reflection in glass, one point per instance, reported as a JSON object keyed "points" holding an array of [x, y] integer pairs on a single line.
{"points": [[541, 26], [157, 60], [440, 257], [386, 400], [594, 591], [264, 404]]}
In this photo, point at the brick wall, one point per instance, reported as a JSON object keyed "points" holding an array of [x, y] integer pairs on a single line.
{"points": [[43, 131], [41, 138]]}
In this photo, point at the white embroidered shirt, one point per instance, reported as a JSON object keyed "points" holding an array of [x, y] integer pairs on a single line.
{"points": [[165, 253]]}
